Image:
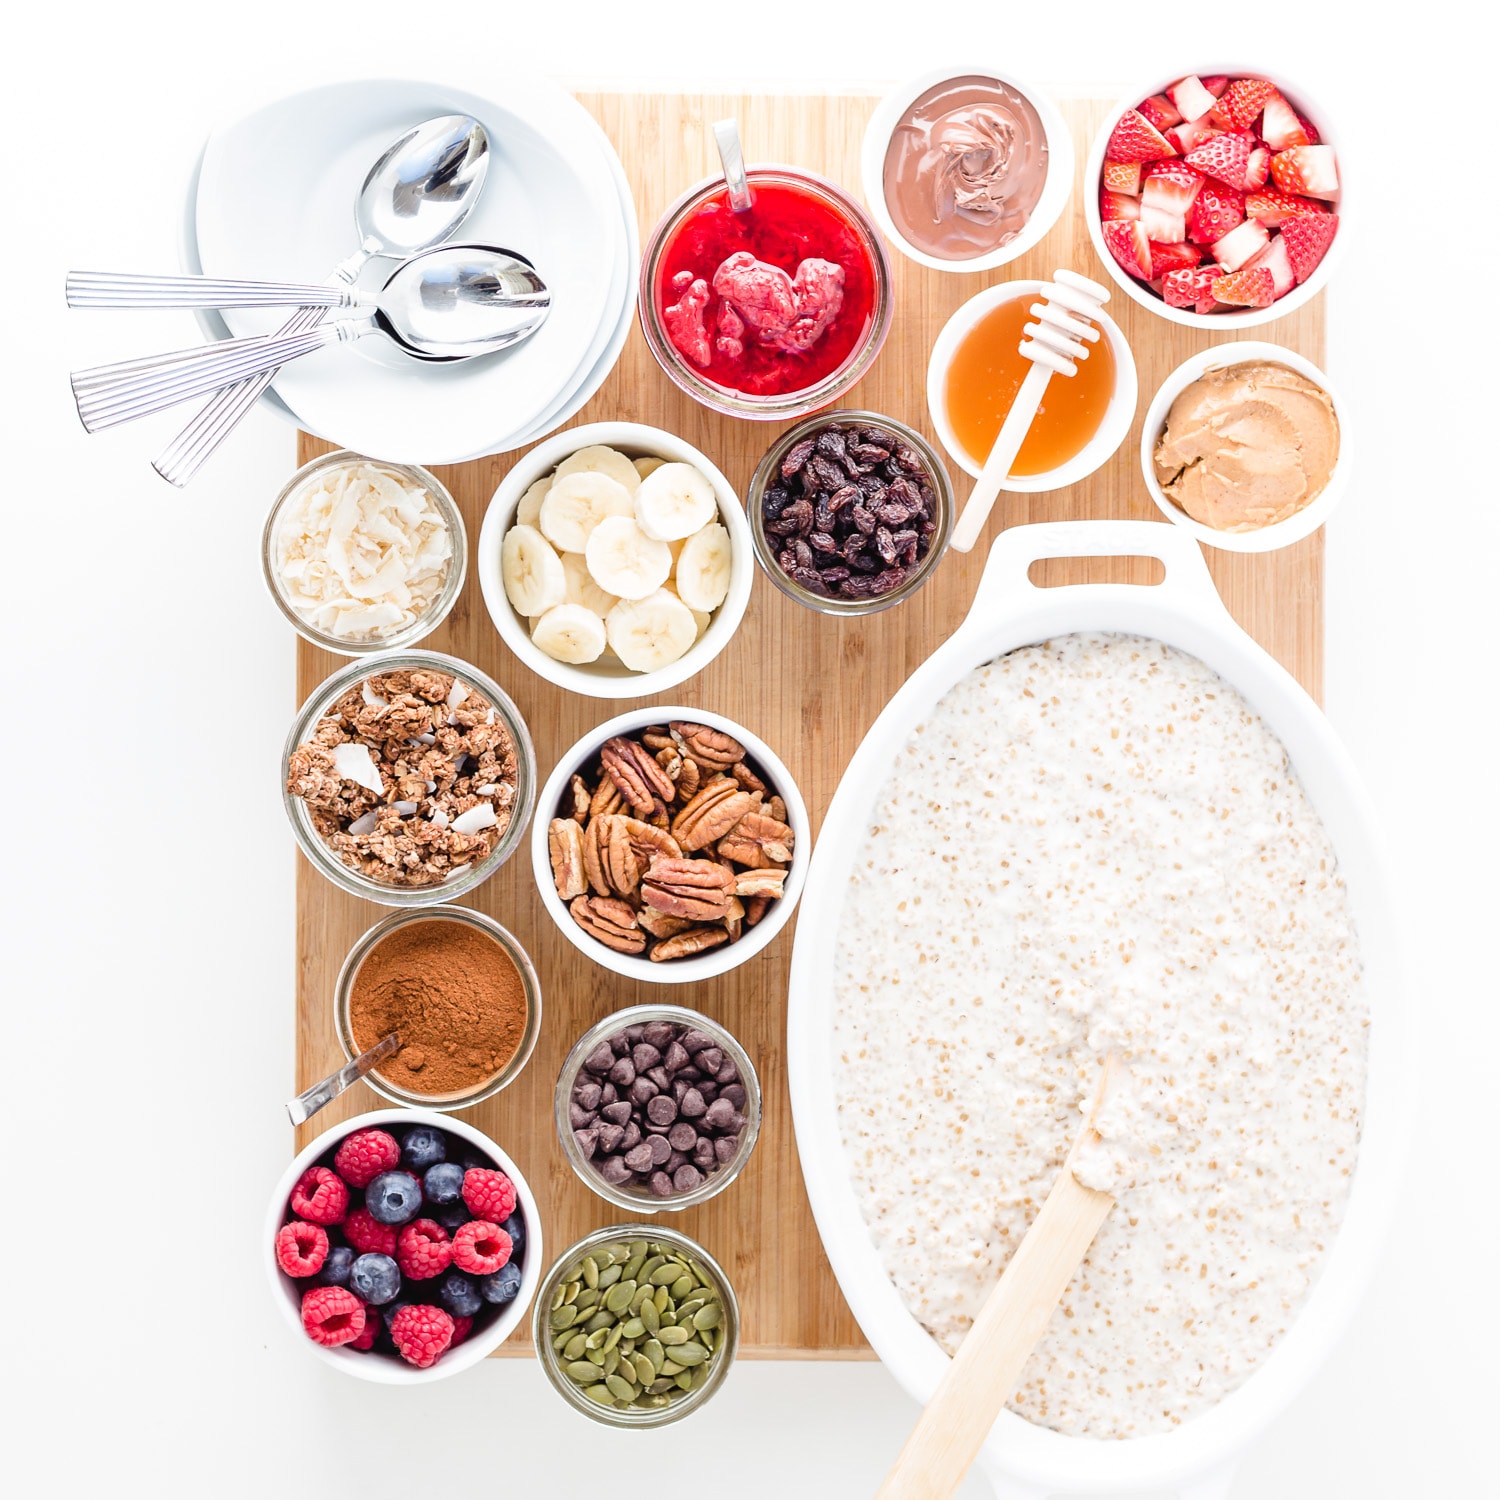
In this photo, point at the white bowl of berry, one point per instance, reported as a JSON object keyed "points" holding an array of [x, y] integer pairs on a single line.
{"points": [[1216, 198], [403, 1246]]}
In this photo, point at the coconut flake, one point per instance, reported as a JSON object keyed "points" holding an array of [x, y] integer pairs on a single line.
{"points": [[354, 763], [371, 697], [480, 816], [425, 739], [439, 818], [406, 808], [365, 823], [457, 693], [487, 790]]}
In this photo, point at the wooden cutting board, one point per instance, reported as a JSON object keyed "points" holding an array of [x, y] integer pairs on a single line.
{"points": [[810, 686]]}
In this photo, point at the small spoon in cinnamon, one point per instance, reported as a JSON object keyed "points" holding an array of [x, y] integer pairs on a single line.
{"points": [[310, 1101]]}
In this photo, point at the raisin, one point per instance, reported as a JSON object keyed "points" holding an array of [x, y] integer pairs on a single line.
{"points": [[800, 514], [885, 545], [868, 454], [796, 457], [894, 515], [809, 578], [774, 501], [909, 459], [854, 544], [864, 562], [857, 586], [842, 497], [835, 574], [823, 515], [832, 445], [863, 519], [803, 553], [891, 579]]}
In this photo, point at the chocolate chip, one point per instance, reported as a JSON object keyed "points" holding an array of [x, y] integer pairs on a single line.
{"points": [[631, 1137], [692, 1105], [725, 1147], [734, 1093], [609, 1137], [719, 1114], [640, 1157], [694, 1040], [644, 1056], [682, 1136], [710, 1059], [686, 1178], [660, 1149], [587, 1140], [703, 1154], [623, 1073], [727, 1073], [643, 1091], [660, 1184], [676, 1057], [587, 1094], [658, 1033], [614, 1171], [617, 1113], [662, 1110], [579, 1117], [601, 1059], [608, 1093]]}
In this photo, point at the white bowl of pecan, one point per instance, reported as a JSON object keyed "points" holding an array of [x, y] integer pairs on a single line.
{"points": [[670, 845]]}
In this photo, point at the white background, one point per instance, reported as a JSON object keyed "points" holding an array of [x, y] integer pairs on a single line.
{"points": [[148, 869]]}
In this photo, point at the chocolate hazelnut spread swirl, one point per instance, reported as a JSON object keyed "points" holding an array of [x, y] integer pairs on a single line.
{"points": [[965, 168]]}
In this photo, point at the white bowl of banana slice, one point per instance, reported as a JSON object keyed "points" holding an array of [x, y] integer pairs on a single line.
{"points": [[615, 560]]}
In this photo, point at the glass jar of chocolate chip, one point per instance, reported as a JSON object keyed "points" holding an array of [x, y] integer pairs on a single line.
{"points": [[850, 512], [657, 1107]]}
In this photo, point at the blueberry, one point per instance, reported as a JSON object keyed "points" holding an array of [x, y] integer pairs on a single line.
{"points": [[394, 1198], [422, 1146], [444, 1182], [450, 1215], [471, 1158], [459, 1295], [375, 1278], [335, 1270], [503, 1285], [515, 1227], [388, 1315]]}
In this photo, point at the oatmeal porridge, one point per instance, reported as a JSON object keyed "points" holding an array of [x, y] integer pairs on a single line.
{"points": [[1095, 844]]}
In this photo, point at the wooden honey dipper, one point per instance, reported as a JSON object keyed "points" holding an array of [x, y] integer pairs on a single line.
{"points": [[1053, 344]]}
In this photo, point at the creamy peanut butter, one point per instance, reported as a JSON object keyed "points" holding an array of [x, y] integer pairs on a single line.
{"points": [[1248, 446]]}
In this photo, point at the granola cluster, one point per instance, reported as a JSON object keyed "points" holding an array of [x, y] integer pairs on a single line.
{"points": [[409, 777], [671, 845]]}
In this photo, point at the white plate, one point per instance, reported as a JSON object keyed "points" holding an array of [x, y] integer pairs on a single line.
{"points": [[275, 200]]}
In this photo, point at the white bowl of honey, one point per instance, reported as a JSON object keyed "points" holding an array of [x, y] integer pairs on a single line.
{"points": [[976, 369]]}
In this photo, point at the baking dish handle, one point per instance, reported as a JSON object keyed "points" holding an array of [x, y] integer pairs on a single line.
{"points": [[1005, 587]]}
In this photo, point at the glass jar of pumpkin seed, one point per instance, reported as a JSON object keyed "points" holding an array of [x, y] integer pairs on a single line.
{"points": [[636, 1325]]}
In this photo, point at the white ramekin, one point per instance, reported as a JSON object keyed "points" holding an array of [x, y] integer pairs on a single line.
{"points": [[380, 1368], [1056, 191], [1267, 538], [1138, 291], [717, 960], [1112, 429], [600, 679]]}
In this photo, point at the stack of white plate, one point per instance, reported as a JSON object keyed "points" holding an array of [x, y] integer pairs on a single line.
{"points": [[273, 199]]}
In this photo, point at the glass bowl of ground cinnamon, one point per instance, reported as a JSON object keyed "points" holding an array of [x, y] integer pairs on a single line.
{"points": [[460, 992]]}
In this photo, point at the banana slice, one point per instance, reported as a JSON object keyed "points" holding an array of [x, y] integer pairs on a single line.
{"points": [[577, 503], [703, 568], [600, 460], [700, 617], [652, 632], [646, 463], [674, 501], [531, 571], [530, 506], [581, 586], [571, 633], [625, 561]]}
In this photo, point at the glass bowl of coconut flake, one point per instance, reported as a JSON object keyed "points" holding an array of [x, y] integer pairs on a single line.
{"points": [[363, 555]]}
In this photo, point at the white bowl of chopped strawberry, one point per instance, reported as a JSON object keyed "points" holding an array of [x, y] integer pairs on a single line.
{"points": [[1217, 198]]}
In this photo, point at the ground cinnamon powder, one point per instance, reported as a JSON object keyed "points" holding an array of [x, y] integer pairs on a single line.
{"points": [[454, 995]]}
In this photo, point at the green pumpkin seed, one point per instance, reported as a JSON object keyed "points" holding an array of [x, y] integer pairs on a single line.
{"points": [[690, 1305], [684, 1380], [595, 1339], [572, 1290], [650, 1266], [654, 1351], [650, 1318], [581, 1372], [661, 1386], [633, 1327], [706, 1317], [588, 1299], [608, 1277], [575, 1345], [674, 1336], [708, 1338], [663, 1299], [601, 1319], [690, 1354], [600, 1393], [574, 1272], [617, 1298], [589, 1270], [632, 1267], [645, 1371], [682, 1286], [704, 1279], [669, 1318], [613, 1337], [557, 1299], [611, 1361], [563, 1317], [594, 1357], [624, 1389], [700, 1378]]}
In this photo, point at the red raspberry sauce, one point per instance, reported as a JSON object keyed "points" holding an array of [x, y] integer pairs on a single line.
{"points": [[783, 227]]}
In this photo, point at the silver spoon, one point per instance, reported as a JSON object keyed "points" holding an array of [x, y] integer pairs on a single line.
{"points": [[414, 197], [457, 301], [310, 1101]]}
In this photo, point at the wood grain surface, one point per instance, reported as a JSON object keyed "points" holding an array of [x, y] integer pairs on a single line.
{"points": [[810, 686]]}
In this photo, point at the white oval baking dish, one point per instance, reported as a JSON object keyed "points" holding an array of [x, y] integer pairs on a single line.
{"points": [[1024, 1461]]}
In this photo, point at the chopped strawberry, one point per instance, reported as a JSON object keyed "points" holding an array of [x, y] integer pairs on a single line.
{"points": [[1216, 84], [1255, 288], [1273, 208], [1307, 238], [1257, 169], [1118, 206], [1175, 257], [1170, 186], [1223, 156], [1160, 111], [1121, 176], [1244, 99], [1190, 98], [1215, 211], [1192, 133], [1135, 138], [1191, 287], [1280, 128], [1241, 245], [1306, 169], [1276, 260], [1309, 130], [1166, 228], [1129, 245]]}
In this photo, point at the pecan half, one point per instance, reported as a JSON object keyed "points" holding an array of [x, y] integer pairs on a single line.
{"points": [[734, 919], [763, 835], [582, 798], [689, 779], [759, 883], [606, 799], [712, 813], [747, 778], [648, 841], [659, 924], [658, 737], [670, 760], [565, 846], [593, 858], [686, 944], [617, 859], [611, 921], [707, 746], [696, 888], [777, 809], [633, 769], [755, 908]]}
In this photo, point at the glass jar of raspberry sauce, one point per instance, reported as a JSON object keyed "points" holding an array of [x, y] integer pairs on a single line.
{"points": [[771, 313]]}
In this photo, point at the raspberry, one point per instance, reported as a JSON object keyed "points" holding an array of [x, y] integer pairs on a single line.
{"points": [[367, 1235], [421, 1334], [320, 1197], [461, 1327], [301, 1248], [368, 1334], [332, 1315], [423, 1250], [490, 1195], [480, 1248], [363, 1156]]}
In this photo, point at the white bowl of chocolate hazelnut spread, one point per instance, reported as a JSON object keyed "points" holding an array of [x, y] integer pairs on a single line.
{"points": [[965, 168]]}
